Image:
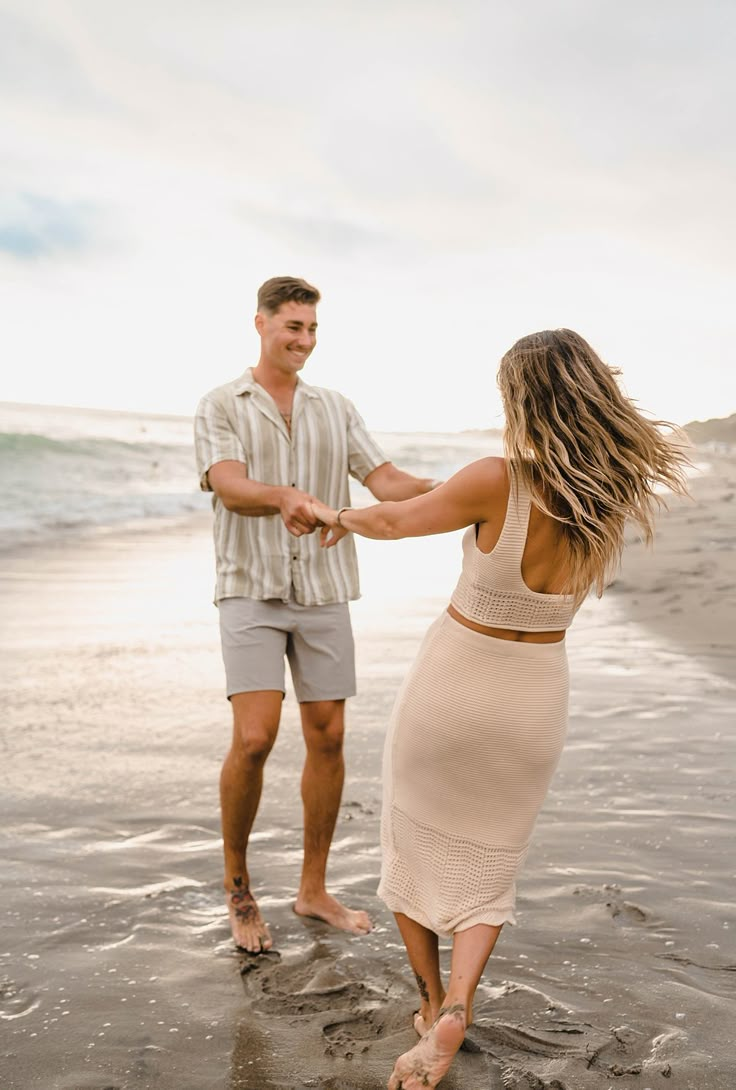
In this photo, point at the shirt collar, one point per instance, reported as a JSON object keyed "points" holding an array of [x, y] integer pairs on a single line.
{"points": [[246, 384]]}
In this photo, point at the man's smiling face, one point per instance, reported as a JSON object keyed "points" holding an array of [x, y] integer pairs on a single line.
{"points": [[288, 336]]}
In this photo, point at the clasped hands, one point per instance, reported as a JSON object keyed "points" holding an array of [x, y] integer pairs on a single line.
{"points": [[303, 514]]}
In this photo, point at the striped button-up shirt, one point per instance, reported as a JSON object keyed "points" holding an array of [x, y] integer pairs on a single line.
{"points": [[257, 557]]}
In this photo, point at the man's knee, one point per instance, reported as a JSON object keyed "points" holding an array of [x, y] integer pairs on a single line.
{"points": [[324, 727], [255, 726], [252, 745]]}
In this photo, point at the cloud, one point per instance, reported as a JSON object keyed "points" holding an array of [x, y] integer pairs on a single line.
{"points": [[37, 64], [475, 169], [32, 226], [476, 125], [329, 232]]}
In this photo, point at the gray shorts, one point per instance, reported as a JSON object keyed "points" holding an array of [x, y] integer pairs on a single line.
{"points": [[317, 640]]}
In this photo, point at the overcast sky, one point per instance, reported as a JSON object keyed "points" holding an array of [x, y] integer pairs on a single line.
{"points": [[451, 174]]}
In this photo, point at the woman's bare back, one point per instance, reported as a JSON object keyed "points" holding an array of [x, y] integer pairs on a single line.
{"points": [[543, 562]]}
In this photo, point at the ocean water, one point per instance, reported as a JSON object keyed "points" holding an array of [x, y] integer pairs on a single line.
{"points": [[67, 471]]}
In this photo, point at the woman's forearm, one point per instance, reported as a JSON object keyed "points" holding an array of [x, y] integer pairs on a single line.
{"points": [[456, 503], [380, 521]]}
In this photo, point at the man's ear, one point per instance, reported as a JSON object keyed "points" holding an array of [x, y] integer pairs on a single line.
{"points": [[259, 321]]}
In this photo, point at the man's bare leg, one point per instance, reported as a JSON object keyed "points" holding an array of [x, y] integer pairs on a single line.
{"points": [[323, 724], [255, 725], [428, 1062]]}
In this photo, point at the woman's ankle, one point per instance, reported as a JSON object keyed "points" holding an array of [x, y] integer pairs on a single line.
{"points": [[458, 1007], [448, 1032], [430, 1011]]}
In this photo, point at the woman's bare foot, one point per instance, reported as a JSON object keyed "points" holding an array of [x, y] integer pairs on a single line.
{"points": [[420, 1023], [248, 927], [325, 907], [428, 1062]]}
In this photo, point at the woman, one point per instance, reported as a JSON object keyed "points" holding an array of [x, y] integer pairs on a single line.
{"points": [[480, 720]]}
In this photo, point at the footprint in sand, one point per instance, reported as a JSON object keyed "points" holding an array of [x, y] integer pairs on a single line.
{"points": [[286, 988], [527, 1080], [16, 1000], [551, 1039], [610, 895], [530, 1055], [351, 1037], [312, 987]]}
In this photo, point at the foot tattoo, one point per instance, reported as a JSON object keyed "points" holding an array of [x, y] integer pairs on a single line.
{"points": [[248, 927]]}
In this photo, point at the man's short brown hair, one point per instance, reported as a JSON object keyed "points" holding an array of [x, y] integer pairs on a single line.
{"points": [[285, 289]]}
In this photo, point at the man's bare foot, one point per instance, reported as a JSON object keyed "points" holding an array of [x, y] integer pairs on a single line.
{"points": [[246, 923], [428, 1062], [325, 907]]}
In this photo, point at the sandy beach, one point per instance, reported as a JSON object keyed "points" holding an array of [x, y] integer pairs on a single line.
{"points": [[116, 967]]}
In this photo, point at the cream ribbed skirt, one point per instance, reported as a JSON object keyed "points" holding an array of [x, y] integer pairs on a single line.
{"points": [[474, 738]]}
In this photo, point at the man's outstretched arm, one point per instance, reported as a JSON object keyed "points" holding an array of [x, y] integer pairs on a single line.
{"points": [[388, 482], [230, 482]]}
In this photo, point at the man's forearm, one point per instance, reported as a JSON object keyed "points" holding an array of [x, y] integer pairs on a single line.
{"points": [[389, 483], [252, 498], [411, 486]]}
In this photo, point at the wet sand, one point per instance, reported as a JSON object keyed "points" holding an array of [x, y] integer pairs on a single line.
{"points": [[116, 968], [685, 588]]}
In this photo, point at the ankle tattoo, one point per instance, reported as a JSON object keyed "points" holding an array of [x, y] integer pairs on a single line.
{"points": [[422, 985]]}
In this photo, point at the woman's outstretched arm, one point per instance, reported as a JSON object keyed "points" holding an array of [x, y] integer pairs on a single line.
{"points": [[465, 498]]}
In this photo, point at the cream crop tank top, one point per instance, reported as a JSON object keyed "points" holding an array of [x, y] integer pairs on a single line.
{"points": [[491, 590]]}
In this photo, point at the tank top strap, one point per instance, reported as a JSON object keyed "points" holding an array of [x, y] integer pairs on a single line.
{"points": [[509, 548]]}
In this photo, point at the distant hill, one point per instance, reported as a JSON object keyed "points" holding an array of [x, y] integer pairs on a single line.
{"points": [[719, 430]]}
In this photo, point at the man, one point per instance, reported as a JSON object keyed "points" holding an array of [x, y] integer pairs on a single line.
{"points": [[266, 445]]}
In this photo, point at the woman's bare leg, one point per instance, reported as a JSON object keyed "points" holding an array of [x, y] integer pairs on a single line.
{"points": [[429, 1061], [422, 948], [471, 950]]}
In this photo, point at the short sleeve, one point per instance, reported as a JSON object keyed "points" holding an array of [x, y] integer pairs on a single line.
{"points": [[364, 453], [214, 439]]}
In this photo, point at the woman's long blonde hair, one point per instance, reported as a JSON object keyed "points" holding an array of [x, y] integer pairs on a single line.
{"points": [[590, 459]]}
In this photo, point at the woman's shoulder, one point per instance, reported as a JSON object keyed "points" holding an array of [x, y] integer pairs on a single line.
{"points": [[491, 472], [488, 481]]}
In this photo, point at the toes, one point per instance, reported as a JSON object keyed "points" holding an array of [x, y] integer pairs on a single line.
{"points": [[362, 923], [399, 1073], [252, 944]]}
